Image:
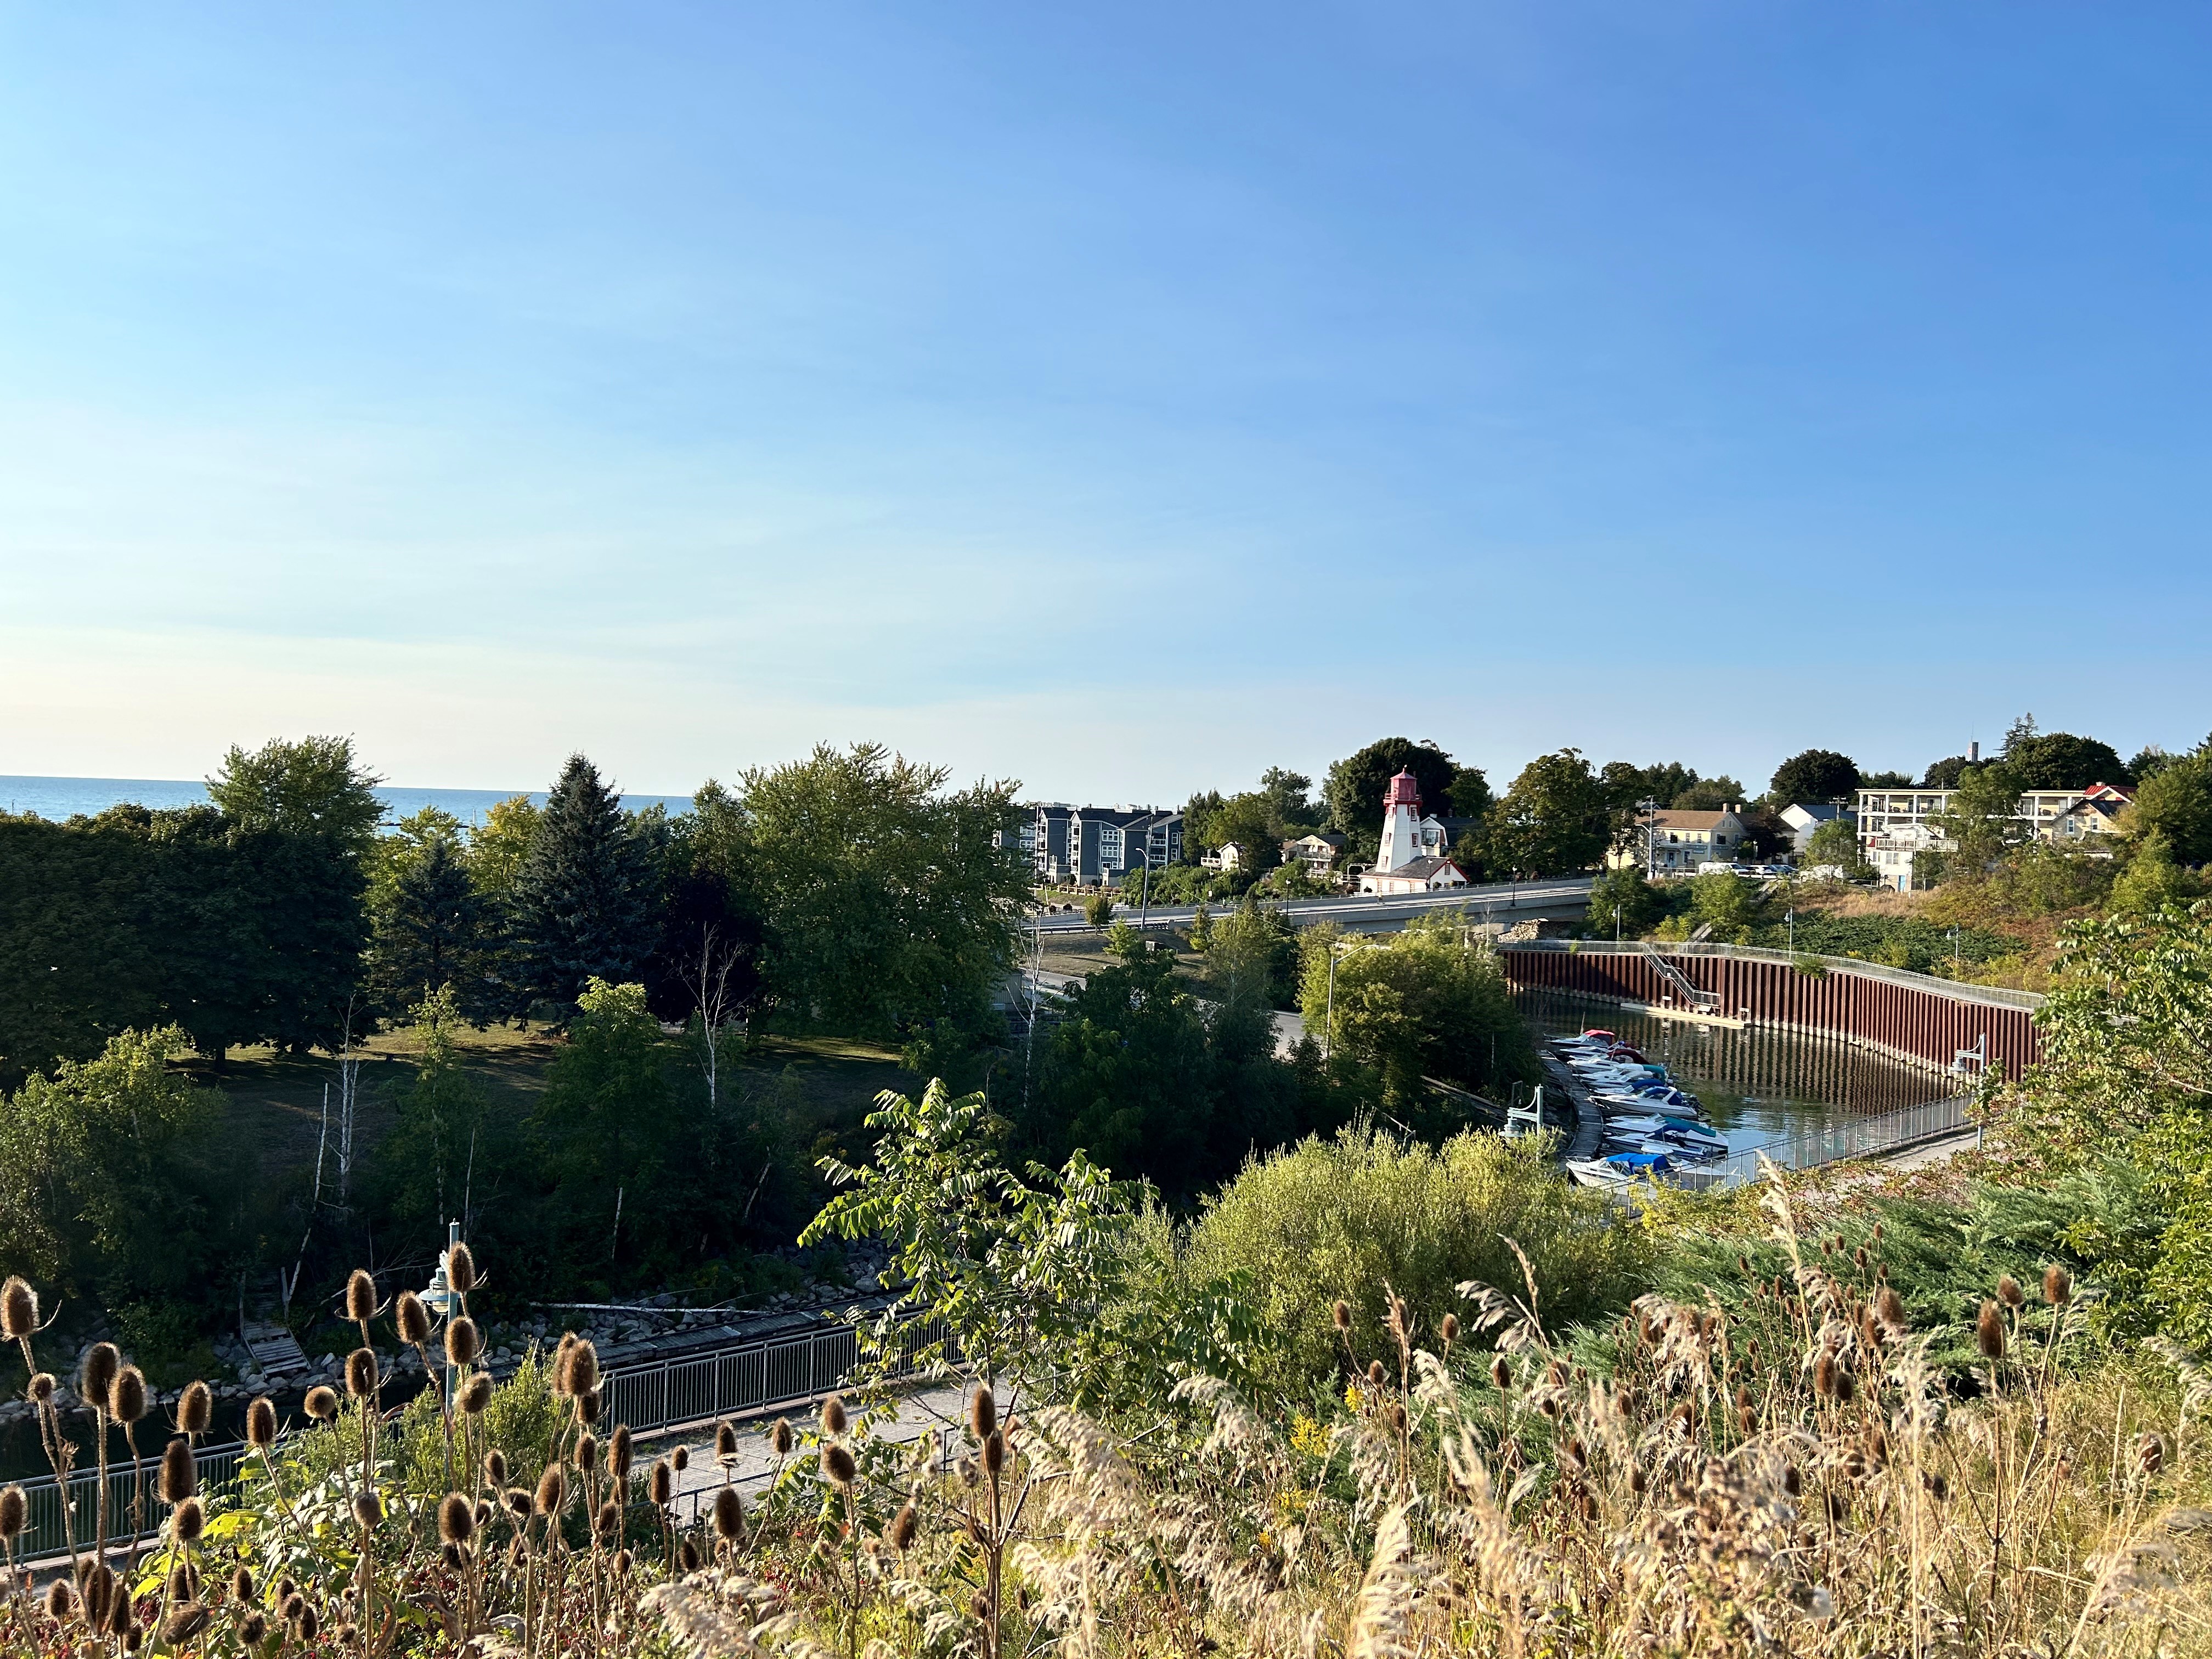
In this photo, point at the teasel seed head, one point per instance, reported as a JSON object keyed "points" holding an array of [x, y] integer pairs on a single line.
{"points": [[1501, 1374], [14, 1511], [1847, 1385], [1398, 1418], [179, 1478], [261, 1423], [412, 1318], [1878, 1446], [780, 1438], [286, 1590], [729, 1515], [1638, 1480], [517, 1504], [483, 1512], [561, 1363], [837, 1461], [2009, 1292], [687, 1556], [460, 1269], [188, 1520], [587, 1407], [453, 1556], [368, 1509], [59, 1600], [186, 1622], [195, 1407], [1447, 1327], [494, 1467], [1793, 1480], [552, 1489], [583, 1368], [610, 1521], [618, 1452], [2058, 1285], [253, 1628], [476, 1394], [994, 1452], [19, 1309], [660, 1481], [461, 1342], [360, 1297], [903, 1528], [588, 1454], [621, 1563], [833, 1414], [1376, 1373], [42, 1388], [310, 1622], [1889, 1308], [361, 1378], [1824, 1374], [1549, 1406], [457, 1519], [126, 1398], [241, 1585], [97, 1375], [726, 1441], [321, 1403], [1989, 1331], [294, 1607], [2150, 1452], [1342, 1314]]}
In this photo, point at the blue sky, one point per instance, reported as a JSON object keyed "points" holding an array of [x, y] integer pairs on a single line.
{"points": [[1122, 399]]}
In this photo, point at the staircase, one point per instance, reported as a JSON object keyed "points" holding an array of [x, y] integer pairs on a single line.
{"points": [[1688, 996]]}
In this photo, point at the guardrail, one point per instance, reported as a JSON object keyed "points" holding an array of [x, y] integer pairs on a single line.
{"points": [[1832, 1143], [652, 1396], [1997, 996]]}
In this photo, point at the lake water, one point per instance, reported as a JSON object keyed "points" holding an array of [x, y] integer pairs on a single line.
{"points": [[1757, 1085], [58, 799]]}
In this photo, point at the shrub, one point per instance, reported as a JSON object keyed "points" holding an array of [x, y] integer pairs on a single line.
{"points": [[1343, 1218]]}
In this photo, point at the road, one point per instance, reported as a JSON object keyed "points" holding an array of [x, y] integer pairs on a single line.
{"points": [[1363, 913]]}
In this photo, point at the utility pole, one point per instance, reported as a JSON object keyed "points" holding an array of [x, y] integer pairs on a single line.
{"points": [[1650, 837]]}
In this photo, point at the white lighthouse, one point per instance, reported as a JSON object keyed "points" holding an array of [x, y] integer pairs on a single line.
{"points": [[1401, 824], [1411, 857]]}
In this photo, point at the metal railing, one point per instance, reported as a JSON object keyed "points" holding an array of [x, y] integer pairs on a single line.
{"points": [[651, 1396], [1860, 1137], [1997, 996]]}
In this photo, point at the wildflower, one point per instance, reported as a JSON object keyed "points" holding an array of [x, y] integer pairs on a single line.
{"points": [[321, 1403], [552, 1489], [126, 1401], [494, 1464], [460, 1269], [583, 1374], [15, 1509], [837, 1461], [361, 1378], [461, 1342], [475, 1394], [188, 1520], [97, 1374], [780, 1437]]}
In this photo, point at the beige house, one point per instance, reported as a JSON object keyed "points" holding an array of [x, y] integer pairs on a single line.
{"points": [[1318, 853], [1675, 841]]}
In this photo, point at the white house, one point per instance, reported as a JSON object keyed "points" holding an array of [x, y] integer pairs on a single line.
{"points": [[1411, 858], [1676, 840], [1317, 852], [1804, 819]]}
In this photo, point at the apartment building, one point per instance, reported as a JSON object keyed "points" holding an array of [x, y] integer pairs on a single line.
{"points": [[1896, 823], [1107, 844]]}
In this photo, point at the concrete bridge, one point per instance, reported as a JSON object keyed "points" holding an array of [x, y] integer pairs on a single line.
{"points": [[1496, 905]]}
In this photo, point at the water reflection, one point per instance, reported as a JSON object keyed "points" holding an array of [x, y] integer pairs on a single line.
{"points": [[1758, 1085]]}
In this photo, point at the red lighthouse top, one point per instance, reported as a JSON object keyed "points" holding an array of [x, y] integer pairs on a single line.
{"points": [[1404, 792]]}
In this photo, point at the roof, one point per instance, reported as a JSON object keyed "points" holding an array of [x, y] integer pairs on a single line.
{"points": [[1421, 869], [1823, 812], [1404, 790], [1327, 838], [1670, 818]]}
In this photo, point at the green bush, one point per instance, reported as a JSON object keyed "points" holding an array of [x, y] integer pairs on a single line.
{"points": [[1098, 909], [1345, 1217]]}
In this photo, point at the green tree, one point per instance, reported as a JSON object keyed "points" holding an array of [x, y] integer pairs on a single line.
{"points": [[1470, 796], [1837, 842], [499, 848], [1197, 812], [1813, 777], [1981, 824], [1945, 774], [312, 786], [2152, 880], [1554, 820], [109, 1178], [1415, 1004], [2059, 760], [1286, 794], [428, 923], [1711, 795], [584, 903], [1252, 956], [442, 1140], [604, 1126], [1730, 905], [887, 907], [1624, 905], [1249, 823], [1355, 785], [2175, 802]]}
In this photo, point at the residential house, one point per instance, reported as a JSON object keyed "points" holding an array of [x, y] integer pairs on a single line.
{"points": [[1804, 819], [1421, 875], [1227, 856], [1106, 844], [1675, 841], [2054, 815], [1318, 852]]}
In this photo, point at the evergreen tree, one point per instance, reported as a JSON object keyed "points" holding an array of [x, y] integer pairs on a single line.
{"points": [[428, 930], [584, 900]]}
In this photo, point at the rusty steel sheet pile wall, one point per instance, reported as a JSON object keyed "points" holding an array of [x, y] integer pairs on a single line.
{"points": [[1926, 1026]]}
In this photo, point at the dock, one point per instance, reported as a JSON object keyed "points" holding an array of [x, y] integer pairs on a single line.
{"points": [[1589, 1119]]}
